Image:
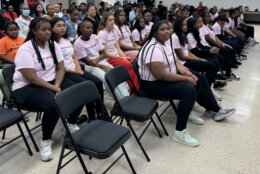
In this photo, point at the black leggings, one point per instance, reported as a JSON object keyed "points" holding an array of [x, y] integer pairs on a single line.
{"points": [[203, 66], [42, 99], [87, 76]]}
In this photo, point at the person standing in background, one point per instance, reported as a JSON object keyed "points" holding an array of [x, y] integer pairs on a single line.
{"points": [[83, 11]]}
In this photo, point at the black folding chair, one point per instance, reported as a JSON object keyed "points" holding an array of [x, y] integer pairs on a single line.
{"points": [[144, 93], [9, 118], [8, 73], [131, 107], [98, 139]]}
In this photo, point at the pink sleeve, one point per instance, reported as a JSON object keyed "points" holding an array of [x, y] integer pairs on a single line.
{"points": [[58, 53], [154, 55], [79, 50], [100, 45], [175, 42], [191, 41], [24, 59], [136, 35], [102, 36]]}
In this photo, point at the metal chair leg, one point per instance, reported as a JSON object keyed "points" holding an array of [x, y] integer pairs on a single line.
{"points": [[3, 137], [82, 162], [158, 131], [24, 139], [160, 121], [30, 134], [173, 105], [61, 158], [137, 139], [128, 160]]}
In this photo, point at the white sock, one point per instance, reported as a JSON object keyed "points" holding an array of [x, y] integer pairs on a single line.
{"points": [[177, 132]]}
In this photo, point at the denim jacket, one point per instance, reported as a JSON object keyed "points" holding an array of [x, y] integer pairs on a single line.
{"points": [[72, 31]]}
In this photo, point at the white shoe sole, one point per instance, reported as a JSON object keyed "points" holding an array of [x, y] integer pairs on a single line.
{"points": [[48, 159], [223, 117], [177, 140]]}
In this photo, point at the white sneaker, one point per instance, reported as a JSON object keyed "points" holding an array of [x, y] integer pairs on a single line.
{"points": [[223, 113], [45, 150], [216, 95], [73, 127], [195, 119], [210, 113], [185, 138]]}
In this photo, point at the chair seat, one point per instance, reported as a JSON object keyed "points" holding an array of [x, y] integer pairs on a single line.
{"points": [[138, 108], [8, 117], [100, 139]]}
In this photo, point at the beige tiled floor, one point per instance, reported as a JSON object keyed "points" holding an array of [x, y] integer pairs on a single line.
{"points": [[228, 147]]}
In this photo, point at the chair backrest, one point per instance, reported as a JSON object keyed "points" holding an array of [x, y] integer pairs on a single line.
{"points": [[76, 96], [116, 76]]}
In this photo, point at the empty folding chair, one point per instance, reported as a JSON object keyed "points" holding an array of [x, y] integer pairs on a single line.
{"points": [[98, 139], [131, 107], [9, 118]]}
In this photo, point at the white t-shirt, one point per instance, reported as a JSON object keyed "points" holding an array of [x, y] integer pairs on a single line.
{"points": [[125, 35], [26, 58], [156, 54], [191, 41], [67, 51], [231, 24], [217, 28], [177, 45], [89, 49], [148, 28], [109, 38], [136, 35], [203, 32]]}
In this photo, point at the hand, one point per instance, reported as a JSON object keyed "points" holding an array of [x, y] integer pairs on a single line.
{"points": [[191, 81], [80, 72], [94, 61], [204, 60], [56, 89], [106, 68], [214, 50]]}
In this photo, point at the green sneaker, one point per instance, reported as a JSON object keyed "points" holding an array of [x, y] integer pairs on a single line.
{"points": [[185, 138], [195, 119]]}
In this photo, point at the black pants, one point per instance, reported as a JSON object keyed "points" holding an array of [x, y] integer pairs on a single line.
{"points": [[228, 56], [234, 43], [203, 66], [215, 59], [250, 30], [42, 99], [87, 76]]}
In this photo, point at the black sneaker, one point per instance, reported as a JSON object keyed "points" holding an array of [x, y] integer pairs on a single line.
{"points": [[221, 77], [234, 77], [218, 84], [234, 66], [237, 62]]}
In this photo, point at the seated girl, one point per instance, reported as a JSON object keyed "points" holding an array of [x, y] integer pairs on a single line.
{"points": [[139, 33]]}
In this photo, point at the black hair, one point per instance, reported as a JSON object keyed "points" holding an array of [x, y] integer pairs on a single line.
{"points": [[48, 6], [79, 26], [71, 10], [146, 11], [90, 5], [117, 14], [8, 5], [137, 26], [231, 11], [34, 26], [152, 35], [64, 10], [8, 23], [192, 29], [178, 31], [83, 3], [36, 12], [53, 22]]}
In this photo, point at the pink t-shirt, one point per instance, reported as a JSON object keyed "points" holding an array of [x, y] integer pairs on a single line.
{"points": [[191, 41], [136, 35], [231, 24], [217, 28], [213, 17], [177, 45], [109, 38], [89, 49], [211, 32], [148, 28], [156, 55], [26, 58], [203, 32], [67, 51], [240, 19], [124, 35]]}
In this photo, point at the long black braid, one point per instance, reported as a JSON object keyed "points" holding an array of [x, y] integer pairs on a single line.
{"points": [[193, 30], [178, 31], [34, 26]]}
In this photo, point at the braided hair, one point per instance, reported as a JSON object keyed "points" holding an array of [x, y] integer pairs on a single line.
{"points": [[178, 31], [34, 26], [117, 22], [192, 29]]}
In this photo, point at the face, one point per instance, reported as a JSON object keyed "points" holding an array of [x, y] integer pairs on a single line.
{"points": [[185, 14], [82, 7], [10, 8], [141, 24], [147, 17], [57, 8], [184, 26], [222, 23], [153, 10], [44, 32], [163, 33], [92, 11], [12, 31], [110, 22], [86, 29], [122, 17], [50, 10], [171, 27], [60, 28], [198, 24], [64, 12], [207, 18], [178, 13], [74, 15], [233, 16], [39, 8]]}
